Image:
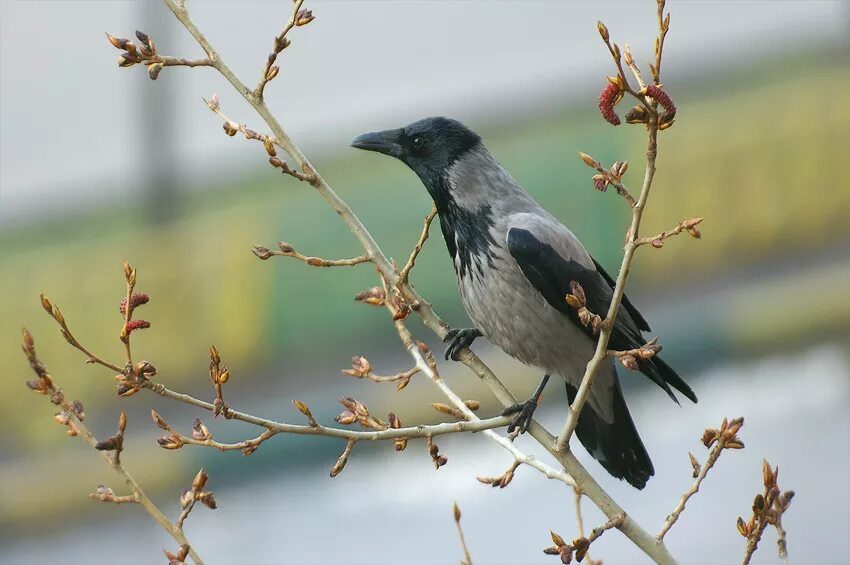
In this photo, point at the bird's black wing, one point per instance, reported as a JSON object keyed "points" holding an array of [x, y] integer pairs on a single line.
{"points": [[642, 324], [551, 274]]}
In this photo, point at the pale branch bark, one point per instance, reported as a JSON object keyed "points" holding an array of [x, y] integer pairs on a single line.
{"points": [[579, 518], [128, 498], [273, 427], [430, 370], [589, 486]]}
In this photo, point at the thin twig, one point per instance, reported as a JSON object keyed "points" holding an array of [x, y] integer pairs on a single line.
{"points": [[79, 429], [130, 276], [607, 325], [56, 314], [411, 261], [280, 43], [286, 250], [614, 522], [627, 55], [722, 438], [273, 427], [579, 519], [467, 560], [104, 497], [680, 507], [657, 240]]}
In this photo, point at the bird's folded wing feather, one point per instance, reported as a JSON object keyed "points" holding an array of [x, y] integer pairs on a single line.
{"points": [[550, 272]]}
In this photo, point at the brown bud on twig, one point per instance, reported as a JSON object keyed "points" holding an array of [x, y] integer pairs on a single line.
{"points": [[158, 420], [126, 389], [588, 160], [77, 409], [170, 442], [376, 296], [144, 370], [109, 444], [213, 102], [360, 367], [695, 464], [434, 452], [122, 423], [637, 115], [304, 17], [346, 418], [603, 31], [200, 480], [743, 529], [629, 362], [116, 42], [199, 431], [261, 251], [154, 70], [207, 499]]}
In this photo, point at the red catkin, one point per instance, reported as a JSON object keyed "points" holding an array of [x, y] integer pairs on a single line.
{"points": [[607, 99]]}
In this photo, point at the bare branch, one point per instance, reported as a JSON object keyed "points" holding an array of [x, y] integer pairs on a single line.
{"points": [[467, 560], [657, 240], [286, 250], [56, 314], [411, 261], [724, 438], [72, 418], [612, 176], [281, 42]]}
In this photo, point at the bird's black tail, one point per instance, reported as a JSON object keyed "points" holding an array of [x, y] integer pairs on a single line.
{"points": [[616, 445], [663, 374]]}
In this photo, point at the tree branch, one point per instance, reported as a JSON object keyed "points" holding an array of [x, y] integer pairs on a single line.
{"points": [[72, 416], [724, 438], [641, 538]]}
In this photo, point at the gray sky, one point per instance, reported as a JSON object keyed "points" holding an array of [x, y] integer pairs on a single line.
{"points": [[72, 120]]}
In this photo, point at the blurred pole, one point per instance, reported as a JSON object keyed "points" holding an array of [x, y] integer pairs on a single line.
{"points": [[158, 157]]}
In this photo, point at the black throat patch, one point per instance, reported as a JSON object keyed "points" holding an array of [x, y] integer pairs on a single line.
{"points": [[467, 232]]}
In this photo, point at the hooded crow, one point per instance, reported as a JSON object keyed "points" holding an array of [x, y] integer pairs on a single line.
{"points": [[514, 263]]}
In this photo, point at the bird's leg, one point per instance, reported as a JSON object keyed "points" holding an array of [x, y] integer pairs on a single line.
{"points": [[525, 410], [459, 339]]}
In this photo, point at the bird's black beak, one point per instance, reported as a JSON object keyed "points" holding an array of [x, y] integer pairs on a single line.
{"points": [[387, 142]]}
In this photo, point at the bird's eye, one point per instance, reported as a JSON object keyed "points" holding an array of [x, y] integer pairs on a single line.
{"points": [[418, 142]]}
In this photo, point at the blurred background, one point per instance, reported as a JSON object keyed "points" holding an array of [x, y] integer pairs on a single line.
{"points": [[99, 165]]}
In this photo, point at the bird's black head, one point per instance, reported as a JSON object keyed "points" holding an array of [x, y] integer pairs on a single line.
{"points": [[430, 146]]}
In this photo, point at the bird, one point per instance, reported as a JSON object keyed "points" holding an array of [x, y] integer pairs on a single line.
{"points": [[515, 263]]}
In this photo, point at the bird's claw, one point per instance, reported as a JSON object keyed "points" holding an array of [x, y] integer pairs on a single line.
{"points": [[458, 340], [524, 412]]}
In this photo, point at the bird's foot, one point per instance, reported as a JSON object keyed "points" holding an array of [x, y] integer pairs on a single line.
{"points": [[524, 412], [459, 339]]}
